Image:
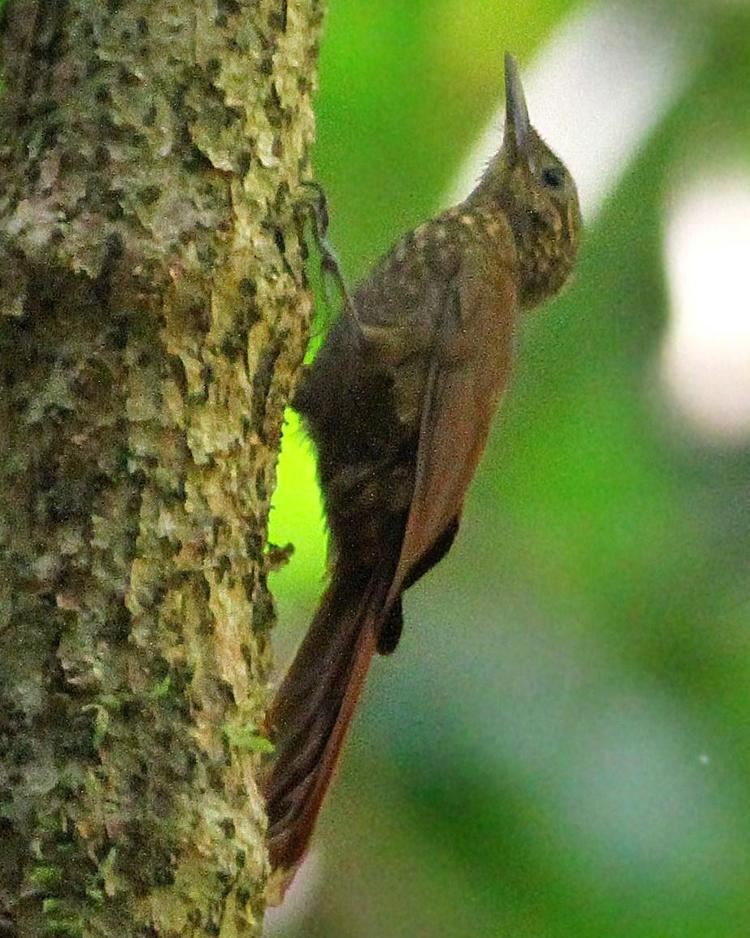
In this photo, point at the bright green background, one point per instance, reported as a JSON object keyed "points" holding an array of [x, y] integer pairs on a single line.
{"points": [[560, 747]]}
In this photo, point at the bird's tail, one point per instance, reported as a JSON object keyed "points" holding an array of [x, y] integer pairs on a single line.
{"points": [[312, 711]]}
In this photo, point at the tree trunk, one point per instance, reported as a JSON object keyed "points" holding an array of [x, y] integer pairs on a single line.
{"points": [[153, 316]]}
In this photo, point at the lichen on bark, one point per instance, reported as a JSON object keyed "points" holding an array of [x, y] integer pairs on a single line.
{"points": [[153, 317]]}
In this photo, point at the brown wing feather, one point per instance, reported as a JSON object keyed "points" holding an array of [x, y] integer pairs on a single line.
{"points": [[468, 373]]}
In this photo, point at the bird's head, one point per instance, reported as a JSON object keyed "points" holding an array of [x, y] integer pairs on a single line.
{"points": [[537, 193]]}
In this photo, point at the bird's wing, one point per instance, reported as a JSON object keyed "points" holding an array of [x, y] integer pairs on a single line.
{"points": [[469, 369]]}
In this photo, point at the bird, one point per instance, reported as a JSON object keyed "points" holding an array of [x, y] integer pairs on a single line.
{"points": [[398, 403]]}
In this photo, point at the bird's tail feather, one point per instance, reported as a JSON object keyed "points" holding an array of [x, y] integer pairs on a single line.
{"points": [[312, 711]]}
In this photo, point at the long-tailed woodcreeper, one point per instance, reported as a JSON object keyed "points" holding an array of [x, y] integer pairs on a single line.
{"points": [[399, 402]]}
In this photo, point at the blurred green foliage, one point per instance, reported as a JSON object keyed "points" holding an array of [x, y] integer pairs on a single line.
{"points": [[560, 745]]}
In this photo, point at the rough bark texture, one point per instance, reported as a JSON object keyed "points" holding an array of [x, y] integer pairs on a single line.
{"points": [[153, 315]]}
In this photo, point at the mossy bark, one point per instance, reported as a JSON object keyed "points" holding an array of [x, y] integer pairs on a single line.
{"points": [[153, 317]]}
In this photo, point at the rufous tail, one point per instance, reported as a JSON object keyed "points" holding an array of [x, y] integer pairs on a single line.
{"points": [[312, 711]]}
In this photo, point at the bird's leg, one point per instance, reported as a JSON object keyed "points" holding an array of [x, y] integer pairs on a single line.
{"points": [[317, 207]]}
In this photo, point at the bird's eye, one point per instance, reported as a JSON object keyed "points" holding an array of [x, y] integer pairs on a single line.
{"points": [[553, 176]]}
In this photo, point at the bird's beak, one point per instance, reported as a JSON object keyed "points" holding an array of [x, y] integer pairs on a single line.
{"points": [[517, 126]]}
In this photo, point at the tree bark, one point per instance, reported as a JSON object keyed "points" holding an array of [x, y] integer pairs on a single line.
{"points": [[153, 317]]}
